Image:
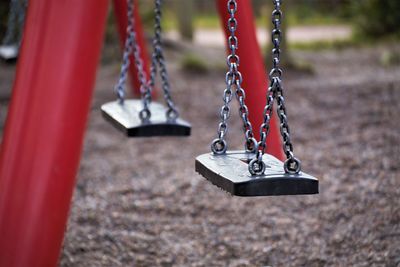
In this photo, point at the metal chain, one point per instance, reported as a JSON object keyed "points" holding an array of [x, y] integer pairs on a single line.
{"points": [[159, 59], [233, 80], [15, 22], [119, 88], [292, 164], [145, 90], [275, 90], [21, 19], [131, 46]]}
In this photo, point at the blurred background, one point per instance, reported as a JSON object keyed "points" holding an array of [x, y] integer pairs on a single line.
{"points": [[311, 24], [140, 203]]}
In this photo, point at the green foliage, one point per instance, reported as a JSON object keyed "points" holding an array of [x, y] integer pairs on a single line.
{"points": [[326, 45], [375, 18], [390, 58], [316, 12]]}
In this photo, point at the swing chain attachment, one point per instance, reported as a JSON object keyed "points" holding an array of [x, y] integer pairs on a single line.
{"points": [[131, 46], [233, 80], [256, 165], [119, 89], [145, 90], [292, 165], [159, 59], [15, 22]]}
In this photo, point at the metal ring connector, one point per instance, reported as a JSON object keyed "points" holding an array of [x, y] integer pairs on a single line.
{"points": [[172, 114], [144, 115], [251, 145], [292, 166], [219, 146], [256, 167]]}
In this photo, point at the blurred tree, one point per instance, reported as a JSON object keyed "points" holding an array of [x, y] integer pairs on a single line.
{"points": [[146, 9], [257, 7], [184, 10], [377, 17]]}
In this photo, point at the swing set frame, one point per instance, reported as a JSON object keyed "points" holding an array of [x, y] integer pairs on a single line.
{"points": [[47, 117]]}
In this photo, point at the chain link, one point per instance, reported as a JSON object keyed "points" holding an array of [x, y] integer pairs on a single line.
{"points": [[131, 46], [21, 19], [159, 59], [275, 90], [119, 88], [233, 80], [15, 22]]}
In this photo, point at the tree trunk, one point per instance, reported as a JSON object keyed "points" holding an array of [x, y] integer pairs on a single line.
{"points": [[185, 19]]}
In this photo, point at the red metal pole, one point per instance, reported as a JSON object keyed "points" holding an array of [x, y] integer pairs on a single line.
{"points": [[253, 70], [120, 10], [44, 131]]}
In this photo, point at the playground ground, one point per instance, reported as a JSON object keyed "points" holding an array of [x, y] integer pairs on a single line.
{"points": [[139, 202]]}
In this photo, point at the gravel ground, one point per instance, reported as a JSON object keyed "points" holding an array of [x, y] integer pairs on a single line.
{"points": [[139, 202]]}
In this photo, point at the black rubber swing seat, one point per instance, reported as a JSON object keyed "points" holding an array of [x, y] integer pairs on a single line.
{"points": [[125, 117], [230, 172], [9, 52]]}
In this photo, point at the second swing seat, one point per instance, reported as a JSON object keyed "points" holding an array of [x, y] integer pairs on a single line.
{"points": [[125, 117]]}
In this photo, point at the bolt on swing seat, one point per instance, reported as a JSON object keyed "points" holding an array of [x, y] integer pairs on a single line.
{"points": [[9, 52], [230, 173], [125, 117]]}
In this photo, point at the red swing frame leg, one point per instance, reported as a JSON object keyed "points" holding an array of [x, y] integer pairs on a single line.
{"points": [[253, 70], [120, 11], [43, 136]]}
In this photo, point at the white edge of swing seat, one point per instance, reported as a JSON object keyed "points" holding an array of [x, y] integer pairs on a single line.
{"points": [[126, 116], [9, 52]]}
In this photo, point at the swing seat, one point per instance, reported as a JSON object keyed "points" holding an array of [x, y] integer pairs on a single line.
{"points": [[125, 117], [230, 173], [9, 52]]}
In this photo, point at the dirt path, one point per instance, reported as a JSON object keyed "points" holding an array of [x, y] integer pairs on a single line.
{"points": [[140, 202], [298, 34]]}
